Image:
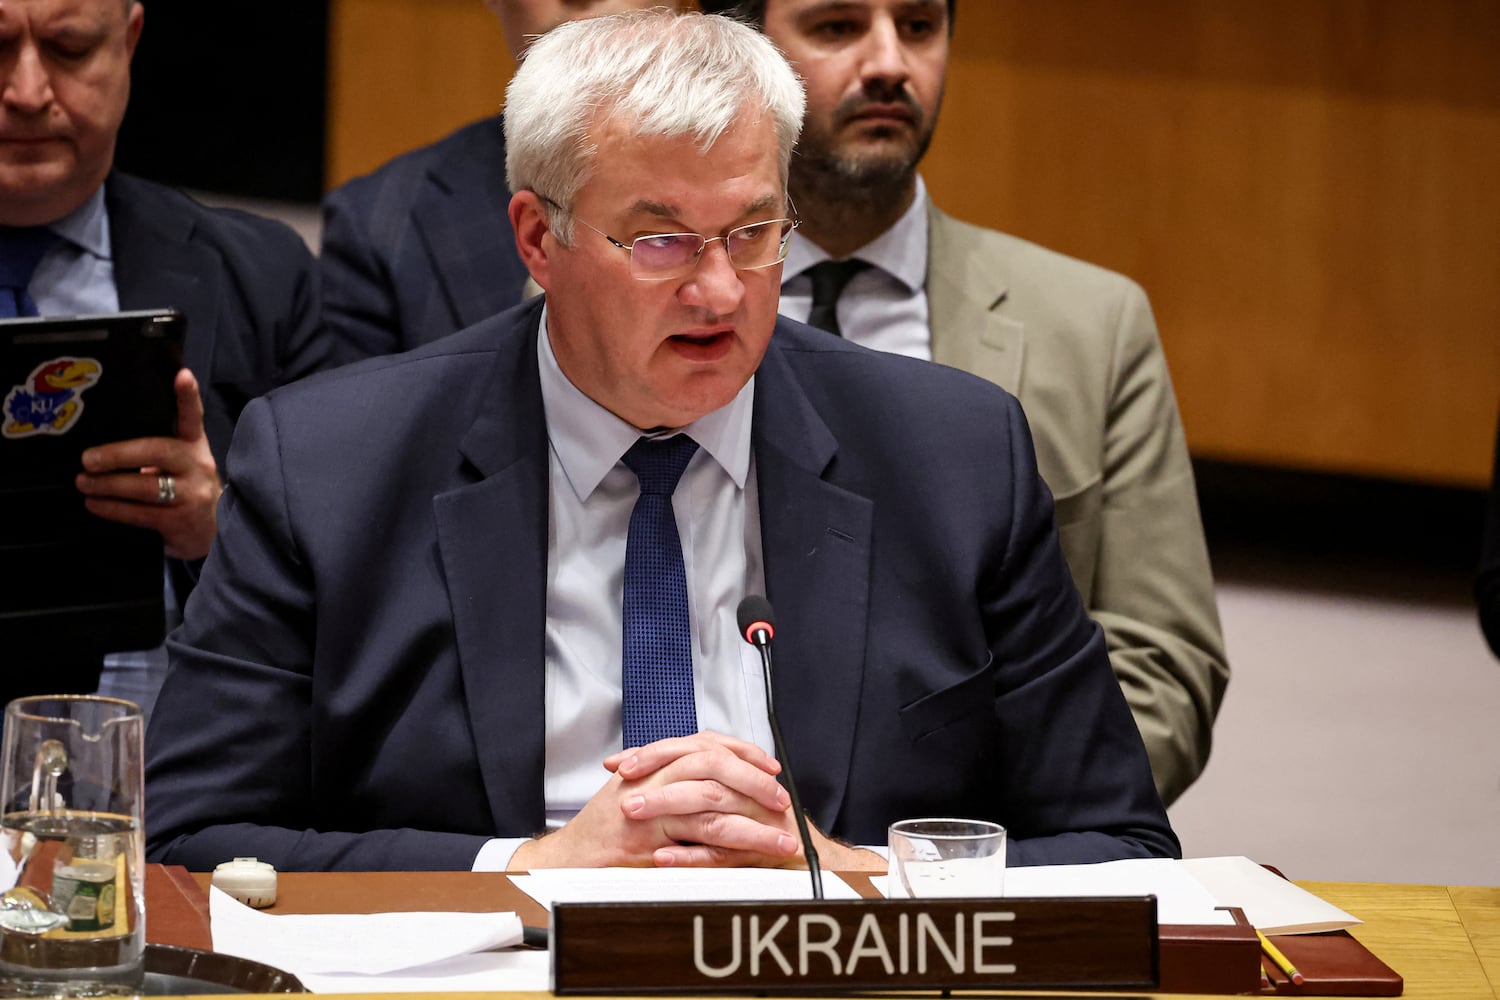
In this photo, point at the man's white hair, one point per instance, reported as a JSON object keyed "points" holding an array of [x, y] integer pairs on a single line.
{"points": [[658, 72]]}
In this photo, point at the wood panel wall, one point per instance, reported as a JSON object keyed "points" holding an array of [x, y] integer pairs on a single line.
{"points": [[1306, 188], [405, 72]]}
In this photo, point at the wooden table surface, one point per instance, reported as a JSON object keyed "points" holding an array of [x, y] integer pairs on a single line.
{"points": [[1444, 940]]}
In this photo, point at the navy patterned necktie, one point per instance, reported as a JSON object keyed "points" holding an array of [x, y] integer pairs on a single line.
{"points": [[657, 675], [828, 281], [21, 249]]}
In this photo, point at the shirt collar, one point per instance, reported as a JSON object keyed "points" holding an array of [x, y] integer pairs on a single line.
{"points": [[87, 226], [589, 440], [900, 251]]}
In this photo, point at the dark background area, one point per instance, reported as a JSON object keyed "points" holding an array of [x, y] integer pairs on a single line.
{"points": [[1344, 533], [230, 96]]}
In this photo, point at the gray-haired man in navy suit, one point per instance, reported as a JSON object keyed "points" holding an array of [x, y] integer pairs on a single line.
{"points": [[473, 606]]}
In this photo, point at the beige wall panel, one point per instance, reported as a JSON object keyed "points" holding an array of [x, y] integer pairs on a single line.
{"points": [[1306, 189]]}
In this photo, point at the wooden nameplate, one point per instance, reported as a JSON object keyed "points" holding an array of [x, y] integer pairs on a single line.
{"points": [[856, 944]]}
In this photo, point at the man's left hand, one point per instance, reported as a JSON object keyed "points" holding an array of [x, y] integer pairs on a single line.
{"points": [[833, 855], [168, 484]]}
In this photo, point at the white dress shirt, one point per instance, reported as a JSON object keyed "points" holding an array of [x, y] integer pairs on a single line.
{"points": [[590, 497], [883, 307]]}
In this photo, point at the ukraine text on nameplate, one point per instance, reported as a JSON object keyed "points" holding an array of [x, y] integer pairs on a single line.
{"points": [[855, 945]]}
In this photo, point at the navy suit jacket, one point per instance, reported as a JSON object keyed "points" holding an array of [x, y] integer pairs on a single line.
{"points": [[368, 633], [421, 247], [247, 285]]}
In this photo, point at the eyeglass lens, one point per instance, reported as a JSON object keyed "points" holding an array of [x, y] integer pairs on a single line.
{"points": [[758, 245]]}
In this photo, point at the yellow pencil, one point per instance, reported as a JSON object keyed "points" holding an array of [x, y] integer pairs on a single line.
{"points": [[1282, 962]]}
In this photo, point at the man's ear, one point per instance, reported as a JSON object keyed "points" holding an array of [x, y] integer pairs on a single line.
{"points": [[134, 21], [534, 239]]}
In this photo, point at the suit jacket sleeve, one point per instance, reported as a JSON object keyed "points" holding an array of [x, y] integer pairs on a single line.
{"points": [[1078, 786], [1152, 588], [242, 784]]}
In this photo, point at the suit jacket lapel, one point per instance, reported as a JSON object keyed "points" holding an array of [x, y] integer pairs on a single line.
{"points": [[156, 266], [815, 537], [469, 233], [492, 534], [965, 290]]}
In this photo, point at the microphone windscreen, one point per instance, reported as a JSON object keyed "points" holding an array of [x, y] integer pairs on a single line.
{"points": [[755, 613]]}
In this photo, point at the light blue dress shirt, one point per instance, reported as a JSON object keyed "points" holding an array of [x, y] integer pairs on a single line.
{"points": [[77, 274], [590, 496]]}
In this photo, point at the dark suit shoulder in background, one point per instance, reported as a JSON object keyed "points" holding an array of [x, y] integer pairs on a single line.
{"points": [[421, 247], [247, 285]]}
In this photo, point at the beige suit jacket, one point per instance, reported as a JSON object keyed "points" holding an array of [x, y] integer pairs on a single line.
{"points": [[1077, 344]]}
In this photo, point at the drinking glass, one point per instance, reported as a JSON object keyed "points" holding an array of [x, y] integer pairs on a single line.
{"points": [[946, 857], [73, 909]]}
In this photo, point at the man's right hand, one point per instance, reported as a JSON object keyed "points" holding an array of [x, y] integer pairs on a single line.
{"points": [[706, 789], [121, 481]]}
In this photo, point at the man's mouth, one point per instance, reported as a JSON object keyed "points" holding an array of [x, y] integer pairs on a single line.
{"points": [[887, 113], [701, 336], [702, 345], [884, 113], [28, 141]]}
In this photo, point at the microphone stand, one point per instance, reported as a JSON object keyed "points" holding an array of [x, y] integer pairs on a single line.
{"points": [[791, 784]]}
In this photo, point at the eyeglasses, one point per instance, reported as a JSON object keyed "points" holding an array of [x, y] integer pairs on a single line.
{"points": [[659, 256]]}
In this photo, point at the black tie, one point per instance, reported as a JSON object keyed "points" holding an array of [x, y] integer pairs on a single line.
{"points": [[828, 281], [21, 249]]}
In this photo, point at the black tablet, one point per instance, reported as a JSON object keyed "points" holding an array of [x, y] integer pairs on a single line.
{"points": [[72, 584]]}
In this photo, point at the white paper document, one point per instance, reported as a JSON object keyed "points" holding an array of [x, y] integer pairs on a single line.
{"points": [[674, 885], [485, 972], [1271, 903], [1187, 892], [1180, 898], [344, 952]]}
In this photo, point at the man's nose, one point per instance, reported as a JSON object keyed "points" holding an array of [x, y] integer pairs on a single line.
{"points": [[884, 55], [715, 284], [28, 86]]}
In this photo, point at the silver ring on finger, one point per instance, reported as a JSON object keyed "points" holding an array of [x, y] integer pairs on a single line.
{"points": [[166, 488]]}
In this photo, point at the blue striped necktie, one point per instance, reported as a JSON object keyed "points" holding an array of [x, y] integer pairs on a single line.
{"points": [[21, 249], [657, 675]]}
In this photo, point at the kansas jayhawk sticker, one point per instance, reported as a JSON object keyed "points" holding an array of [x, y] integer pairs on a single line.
{"points": [[51, 399]]}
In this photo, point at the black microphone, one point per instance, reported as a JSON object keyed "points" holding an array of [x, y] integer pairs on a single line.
{"points": [[758, 627]]}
